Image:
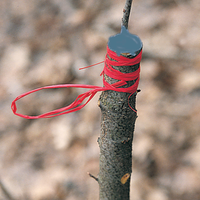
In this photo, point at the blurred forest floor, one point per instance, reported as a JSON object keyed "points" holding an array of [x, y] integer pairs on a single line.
{"points": [[44, 42]]}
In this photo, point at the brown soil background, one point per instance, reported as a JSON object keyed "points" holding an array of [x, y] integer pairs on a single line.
{"points": [[44, 42]]}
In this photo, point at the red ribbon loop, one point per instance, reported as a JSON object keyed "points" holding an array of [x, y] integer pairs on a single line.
{"points": [[108, 70]]}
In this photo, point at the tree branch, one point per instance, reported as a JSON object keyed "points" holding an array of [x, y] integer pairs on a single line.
{"points": [[126, 14], [118, 121], [92, 176], [115, 141]]}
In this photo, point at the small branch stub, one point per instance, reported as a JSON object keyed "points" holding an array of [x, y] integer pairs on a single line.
{"points": [[95, 178]]}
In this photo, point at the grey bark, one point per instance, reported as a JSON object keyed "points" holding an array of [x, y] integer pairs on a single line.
{"points": [[115, 141], [126, 14], [117, 127]]}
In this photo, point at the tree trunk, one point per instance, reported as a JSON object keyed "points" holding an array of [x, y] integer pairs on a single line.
{"points": [[118, 121], [115, 141]]}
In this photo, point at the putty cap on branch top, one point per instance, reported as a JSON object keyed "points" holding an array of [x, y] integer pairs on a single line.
{"points": [[125, 42]]}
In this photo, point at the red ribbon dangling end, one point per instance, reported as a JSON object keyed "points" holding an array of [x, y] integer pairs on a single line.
{"points": [[108, 70]]}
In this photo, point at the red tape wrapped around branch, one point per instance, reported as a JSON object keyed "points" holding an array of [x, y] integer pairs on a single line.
{"points": [[108, 70]]}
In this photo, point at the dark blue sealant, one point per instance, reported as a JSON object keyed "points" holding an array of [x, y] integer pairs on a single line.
{"points": [[125, 42]]}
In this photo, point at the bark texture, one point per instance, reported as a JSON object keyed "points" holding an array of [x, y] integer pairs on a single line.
{"points": [[126, 14], [115, 141]]}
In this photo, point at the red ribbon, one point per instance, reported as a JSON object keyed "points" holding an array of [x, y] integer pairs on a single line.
{"points": [[108, 70]]}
